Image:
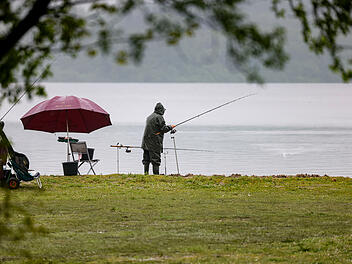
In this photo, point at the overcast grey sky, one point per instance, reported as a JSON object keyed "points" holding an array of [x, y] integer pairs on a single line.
{"points": [[275, 104]]}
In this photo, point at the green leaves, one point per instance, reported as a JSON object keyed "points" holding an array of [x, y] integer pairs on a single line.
{"points": [[105, 7], [73, 26], [324, 25], [121, 57]]}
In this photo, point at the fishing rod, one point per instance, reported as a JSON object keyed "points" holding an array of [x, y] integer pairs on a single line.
{"points": [[128, 148], [29, 88], [210, 110]]}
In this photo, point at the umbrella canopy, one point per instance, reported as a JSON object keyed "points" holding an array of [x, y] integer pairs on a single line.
{"points": [[66, 113]]}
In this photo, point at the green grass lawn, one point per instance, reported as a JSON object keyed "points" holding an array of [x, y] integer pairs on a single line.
{"points": [[150, 219]]}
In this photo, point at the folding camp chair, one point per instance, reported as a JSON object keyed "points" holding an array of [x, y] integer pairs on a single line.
{"points": [[84, 155], [18, 163]]}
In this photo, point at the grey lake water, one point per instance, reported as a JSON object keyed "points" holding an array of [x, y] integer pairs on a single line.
{"points": [[244, 150], [285, 129]]}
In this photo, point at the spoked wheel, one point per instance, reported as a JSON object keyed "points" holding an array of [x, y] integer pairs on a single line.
{"points": [[13, 183]]}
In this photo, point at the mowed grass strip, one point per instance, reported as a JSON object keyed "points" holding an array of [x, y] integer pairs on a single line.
{"points": [[151, 219]]}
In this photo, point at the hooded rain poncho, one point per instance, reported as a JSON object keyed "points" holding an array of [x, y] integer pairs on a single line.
{"points": [[154, 130]]}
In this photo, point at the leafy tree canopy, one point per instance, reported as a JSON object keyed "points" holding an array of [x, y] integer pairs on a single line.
{"points": [[31, 31], [325, 27]]}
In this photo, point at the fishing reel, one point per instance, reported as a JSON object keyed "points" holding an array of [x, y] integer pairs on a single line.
{"points": [[173, 131], [127, 150]]}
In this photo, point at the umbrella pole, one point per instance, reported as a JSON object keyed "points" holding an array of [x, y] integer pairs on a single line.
{"points": [[68, 139]]}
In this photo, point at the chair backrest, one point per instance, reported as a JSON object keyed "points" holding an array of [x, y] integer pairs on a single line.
{"points": [[79, 147], [21, 172], [91, 154]]}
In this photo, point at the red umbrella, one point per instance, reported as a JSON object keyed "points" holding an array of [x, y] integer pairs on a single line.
{"points": [[66, 114]]}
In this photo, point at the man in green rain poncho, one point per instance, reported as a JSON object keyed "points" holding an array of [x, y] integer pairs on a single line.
{"points": [[153, 137]]}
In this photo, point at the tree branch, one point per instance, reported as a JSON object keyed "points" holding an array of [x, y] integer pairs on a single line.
{"points": [[40, 8]]}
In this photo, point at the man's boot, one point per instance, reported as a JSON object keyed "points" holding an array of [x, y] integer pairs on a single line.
{"points": [[155, 169], [146, 169]]}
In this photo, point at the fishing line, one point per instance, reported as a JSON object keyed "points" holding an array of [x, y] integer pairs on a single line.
{"points": [[28, 89]]}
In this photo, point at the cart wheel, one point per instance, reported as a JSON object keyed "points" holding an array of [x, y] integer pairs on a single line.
{"points": [[13, 183]]}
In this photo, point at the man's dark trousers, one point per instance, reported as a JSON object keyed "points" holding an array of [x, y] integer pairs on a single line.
{"points": [[151, 157]]}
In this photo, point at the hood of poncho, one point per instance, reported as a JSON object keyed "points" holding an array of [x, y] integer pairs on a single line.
{"points": [[159, 109]]}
